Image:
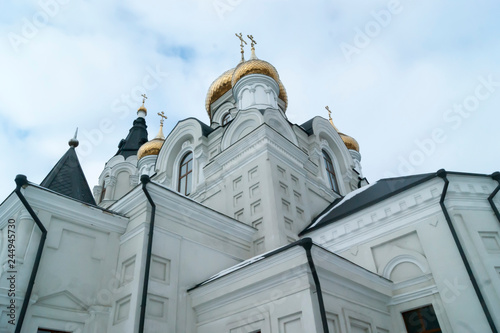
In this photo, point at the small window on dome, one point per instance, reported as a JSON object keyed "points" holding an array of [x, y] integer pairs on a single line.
{"points": [[227, 118]]}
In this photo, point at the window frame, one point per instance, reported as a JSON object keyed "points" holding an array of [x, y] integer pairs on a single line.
{"points": [[422, 328], [330, 172], [188, 175]]}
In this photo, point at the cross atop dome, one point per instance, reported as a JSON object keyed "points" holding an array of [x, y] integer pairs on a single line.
{"points": [[142, 108], [163, 117], [349, 141], [228, 79], [253, 42], [153, 147], [240, 36], [330, 117]]}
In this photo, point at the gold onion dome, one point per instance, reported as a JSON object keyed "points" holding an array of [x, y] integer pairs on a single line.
{"points": [[254, 66], [229, 78], [219, 87], [349, 142], [152, 147], [258, 66], [283, 95]]}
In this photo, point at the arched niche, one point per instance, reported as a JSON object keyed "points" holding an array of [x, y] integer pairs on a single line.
{"points": [[277, 121], [244, 123], [405, 266], [185, 137]]}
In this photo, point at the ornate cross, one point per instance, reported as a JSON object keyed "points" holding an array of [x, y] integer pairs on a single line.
{"points": [[163, 117], [330, 117], [144, 98], [240, 36], [329, 112], [253, 42]]}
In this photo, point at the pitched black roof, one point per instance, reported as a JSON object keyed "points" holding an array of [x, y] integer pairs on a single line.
{"points": [[307, 126], [137, 135], [67, 178], [205, 129], [371, 195]]}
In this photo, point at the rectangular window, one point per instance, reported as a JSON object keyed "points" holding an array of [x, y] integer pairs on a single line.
{"points": [[422, 320], [44, 330]]}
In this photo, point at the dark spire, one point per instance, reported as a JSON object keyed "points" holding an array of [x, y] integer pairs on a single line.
{"points": [[67, 177], [137, 135]]}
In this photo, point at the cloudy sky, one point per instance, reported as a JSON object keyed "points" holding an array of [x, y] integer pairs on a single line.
{"points": [[417, 83]]}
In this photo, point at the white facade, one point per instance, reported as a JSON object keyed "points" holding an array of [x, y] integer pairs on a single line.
{"points": [[232, 256]]}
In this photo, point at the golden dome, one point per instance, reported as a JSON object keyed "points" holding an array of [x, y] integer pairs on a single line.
{"points": [[228, 79], [349, 142], [218, 88], [255, 66], [283, 95], [152, 147]]}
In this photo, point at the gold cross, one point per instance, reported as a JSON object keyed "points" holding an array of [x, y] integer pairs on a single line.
{"points": [[330, 117], [252, 40], [240, 36], [144, 98], [162, 115], [329, 112]]}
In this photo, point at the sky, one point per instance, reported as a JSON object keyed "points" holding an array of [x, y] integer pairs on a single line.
{"points": [[416, 83]]}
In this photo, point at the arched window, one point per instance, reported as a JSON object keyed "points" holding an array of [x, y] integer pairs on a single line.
{"points": [[226, 118], [186, 174], [330, 172]]}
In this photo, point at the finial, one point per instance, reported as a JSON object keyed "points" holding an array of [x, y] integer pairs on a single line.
{"points": [[163, 117], [160, 132], [240, 36], [74, 142], [330, 117], [142, 107], [253, 42]]}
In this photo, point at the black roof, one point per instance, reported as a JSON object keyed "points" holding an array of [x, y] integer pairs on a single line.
{"points": [[373, 194], [307, 126], [67, 178], [205, 129], [137, 135]]}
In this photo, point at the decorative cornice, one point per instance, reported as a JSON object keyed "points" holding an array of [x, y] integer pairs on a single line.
{"points": [[75, 211], [413, 295], [263, 135]]}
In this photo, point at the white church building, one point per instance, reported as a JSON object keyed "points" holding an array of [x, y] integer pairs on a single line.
{"points": [[248, 224]]}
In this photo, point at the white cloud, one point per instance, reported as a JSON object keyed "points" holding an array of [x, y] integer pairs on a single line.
{"points": [[91, 54]]}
